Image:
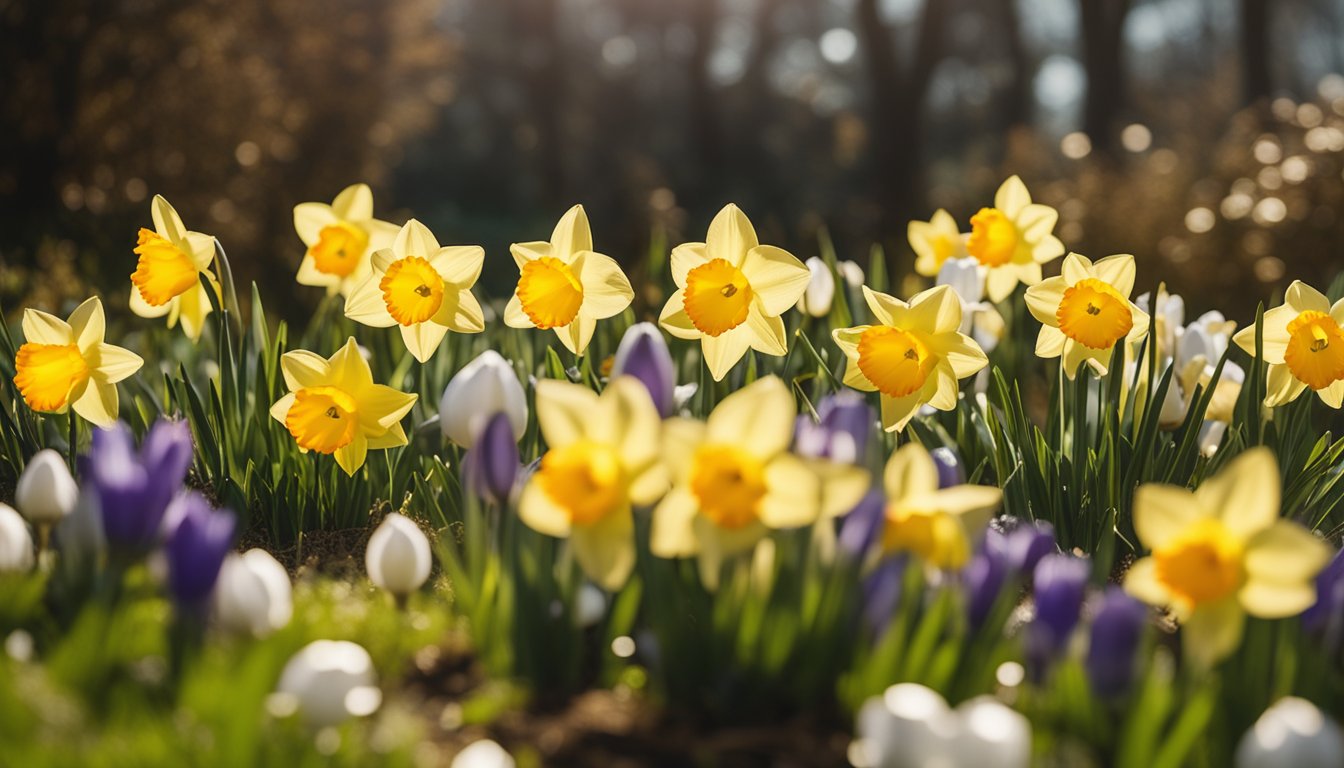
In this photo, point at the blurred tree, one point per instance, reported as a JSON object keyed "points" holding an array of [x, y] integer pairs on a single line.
{"points": [[1257, 84], [1102, 39]]}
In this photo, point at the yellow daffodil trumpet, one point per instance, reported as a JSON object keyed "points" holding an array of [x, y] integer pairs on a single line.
{"points": [[1085, 310], [1013, 239], [341, 239], [167, 276], [1303, 343], [935, 241], [940, 526]]}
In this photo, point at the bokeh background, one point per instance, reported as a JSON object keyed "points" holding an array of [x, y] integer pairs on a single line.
{"points": [[1204, 136]]}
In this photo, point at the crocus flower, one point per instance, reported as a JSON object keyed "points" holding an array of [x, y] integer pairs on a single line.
{"points": [[330, 681], [340, 238], [935, 241], [66, 365], [731, 291], [984, 578], [1114, 641], [484, 387], [1325, 618], [950, 469], [911, 726], [940, 525], [1085, 310], [133, 489], [566, 286], [1059, 584], [46, 492], [979, 319], [1304, 345], [421, 287], [1012, 239], [882, 593], [852, 273], [841, 432], [491, 466], [1292, 732], [333, 406], [16, 543], [1022, 543], [167, 277], [197, 539], [253, 595], [816, 300], [861, 525], [913, 354], [398, 557], [643, 354]]}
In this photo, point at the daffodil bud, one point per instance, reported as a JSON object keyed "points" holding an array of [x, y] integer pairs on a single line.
{"points": [[253, 595], [398, 557], [643, 354], [16, 544], [1291, 732], [483, 754], [484, 387], [816, 300], [329, 681], [46, 491]]}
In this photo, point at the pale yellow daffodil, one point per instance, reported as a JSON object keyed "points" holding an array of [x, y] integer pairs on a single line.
{"points": [[731, 291], [602, 459], [939, 525], [65, 364], [734, 480], [422, 287], [913, 354], [341, 238], [1221, 552], [333, 406], [1303, 343], [566, 286], [935, 241], [167, 277], [1085, 310], [1013, 239]]}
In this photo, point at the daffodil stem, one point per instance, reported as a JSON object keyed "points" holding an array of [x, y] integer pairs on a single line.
{"points": [[74, 440]]}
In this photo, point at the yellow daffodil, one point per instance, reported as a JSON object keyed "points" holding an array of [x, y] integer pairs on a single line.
{"points": [[935, 241], [913, 355], [565, 285], [602, 459], [1221, 552], [334, 407], [1303, 342], [940, 526], [65, 364], [1013, 239], [734, 479], [341, 238], [167, 277], [423, 287], [1085, 310], [731, 291]]}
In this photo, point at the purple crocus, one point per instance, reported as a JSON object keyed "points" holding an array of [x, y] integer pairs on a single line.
{"points": [[1060, 583], [1325, 618], [1022, 544], [841, 432], [862, 525], [197, 539], [133, 488], [984, 578], [882, 593], [950, 469], [1113, 642], [643, 354], [491, 465]]}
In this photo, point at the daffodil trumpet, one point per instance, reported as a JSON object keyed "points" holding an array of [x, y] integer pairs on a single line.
{"points": [[1085, 311], [1302, 341], [172, 276], [340, 240]]}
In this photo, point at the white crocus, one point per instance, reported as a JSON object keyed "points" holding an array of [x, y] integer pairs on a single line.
{"points": [[1292, 732], [46, 492], [329, 681], [16, 544], [911, 726], [852, 273], [816, 300], [979, 319], [253, 595], [484, 387], [483, 754], [398, 556]]}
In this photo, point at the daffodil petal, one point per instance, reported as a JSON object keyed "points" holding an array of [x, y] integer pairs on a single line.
{"points": [[310, 218], [302, 368], [686, 257], [541, 514], [564, 411], [963, 354], [1043, 300], [1213, 631], [937, 310], [897, 411], [884, 307], [142, 308], [514, 316], [571, 235], [672, 533], [351, 456], [1285, 552], [1163, 512], [999, 283], [42, 328], [909, 471], [166, 221], [459, 265], [1245, 493], [97, 404], [280, 409], [394, 436], [423, 339], [1050, 342], [382, 407], [758, 418], [722, 352], [112, 364], [1303, 298], [730, 236], [354, 203], [1276, 600], [606, 289], [531, 251], [776, 276], [767, 334], [1281, 386], [1142, 582], [1117, 270], [1012, 197], [794, 496], [606, 549], [680, 439], [415, 239], [460, 312]]}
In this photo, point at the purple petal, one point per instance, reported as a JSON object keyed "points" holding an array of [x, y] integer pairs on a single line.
{"points": [[198, 540]]}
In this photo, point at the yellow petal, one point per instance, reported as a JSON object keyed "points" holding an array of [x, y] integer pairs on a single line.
{"points": [[680, 439], [944, 388], [1281, 386], [1285, 552], [937, 310], [731, 236], [459, 265], [514, 316], [564, 411], [847, 339], [1050, 342], [1244, 494], [310, 218], [1117, 270], [909, 471], [1141, 581], [975, 503], [395, 436], [606, 289], [1043, 300], [531, 251], [898, 411], [460, 312], [1163, 512], [1000, 282], [884, 308], [962, 353], [856, 379], [88, 324], [354, 203], [686, 257], [842, 486], [415, 239], [367, 306], [423, 339], [382, 407], [280, 410], [1076, 268], [193, 307], [42, 328], [722, 352], [1036, 221], [1332, 395], [541, 514], [142, 308], [758, 418], [1012, 197], [112, 364], [1303, 298], [776, 276], [635, 423], [672, 533], [97, 404], [302, 368], [351, 456], [606, 549], [1212, 632], [571, 235], [793, 498], [166, 221], [767, 334], [674, 319], [1276, 600], [349, 370], [200, 249]]}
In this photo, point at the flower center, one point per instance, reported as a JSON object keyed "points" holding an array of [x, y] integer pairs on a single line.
{"points": [[729, 483], [934, 535], [163, 271], [993, 238], [338, 248], [1094, 314], [322, 419], [412, 290], [585, 478], [895, 361], [1203, 563], [1315, 352], [717, 297], [549, 292], [46, 374]]}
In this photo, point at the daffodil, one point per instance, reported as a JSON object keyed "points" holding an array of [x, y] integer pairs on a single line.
{"points": [[1013, 239], [913, 355], [935, 241], [731, 291], [66, 365], [939, 525], [333, 406], [1303, 342], [422, 287], [1221, 552], [341, 238], [603, 458], [167, 277], [565, 285], [734, 479], [1085, 310]]}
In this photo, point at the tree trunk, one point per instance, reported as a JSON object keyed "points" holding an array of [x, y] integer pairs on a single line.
{"points": [[1256, 82], [1017, 98], [1103, 24]]}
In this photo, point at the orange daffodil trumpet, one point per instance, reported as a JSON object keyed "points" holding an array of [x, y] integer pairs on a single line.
{"points": [[341, 238], [731, 291], [603, 458], [941, 526], [1303, 343], [422, 287], [913, 354], [333, 406], [935, 241], [65, 364], [1085, 310], [566, 286], [167, 277], [1221, 552], [1013, 239]]}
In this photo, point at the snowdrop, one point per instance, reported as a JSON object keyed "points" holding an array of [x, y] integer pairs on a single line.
{"points": [[253, 595], [328, 681], [16, 544], [46, 492], [398, 556]]}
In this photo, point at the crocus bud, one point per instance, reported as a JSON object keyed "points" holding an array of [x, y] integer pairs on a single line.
{"points": [[1325, 619], [398, 556], [967, 279], [882, 593], [643, 354], [950, 469], [198, 538], [911, 726], [842, 431], [491, 466], [1060, 583], [984, 578], [330, 681], [852, 273], [46, 491], [1292, 732], [816, 300], [134, 488], [1023, 543], [483, 754], [861, 526], [16, 544], [484, 387], [253, 595], [1113, 641]]}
